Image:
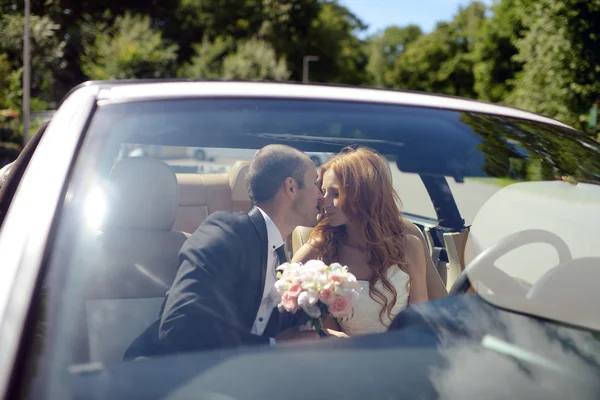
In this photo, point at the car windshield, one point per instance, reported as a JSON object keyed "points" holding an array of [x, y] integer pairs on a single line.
{"points": [[482, 189]]}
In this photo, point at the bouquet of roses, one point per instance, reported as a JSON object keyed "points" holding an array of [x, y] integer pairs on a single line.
{"points": [[316, 288]]}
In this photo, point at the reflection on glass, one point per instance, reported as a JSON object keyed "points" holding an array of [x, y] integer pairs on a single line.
{"points": [[95, 208]]}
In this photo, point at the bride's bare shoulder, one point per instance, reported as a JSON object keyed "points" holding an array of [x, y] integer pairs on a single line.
{"points": [[414, 252]]}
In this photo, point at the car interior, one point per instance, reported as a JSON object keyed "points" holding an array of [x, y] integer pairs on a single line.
{"points": [[154, 211]]}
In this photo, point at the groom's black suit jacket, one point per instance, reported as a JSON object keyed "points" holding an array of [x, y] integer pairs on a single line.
{"points": [[217, 290]]}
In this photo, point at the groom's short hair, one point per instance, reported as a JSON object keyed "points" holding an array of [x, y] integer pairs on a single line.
{"points": [[271, 166]]}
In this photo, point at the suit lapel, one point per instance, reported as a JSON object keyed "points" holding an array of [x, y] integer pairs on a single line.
{"points": [[278, 321], [261, 228]]}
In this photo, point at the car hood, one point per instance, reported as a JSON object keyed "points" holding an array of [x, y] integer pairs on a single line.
{"points": [[455, 348]]}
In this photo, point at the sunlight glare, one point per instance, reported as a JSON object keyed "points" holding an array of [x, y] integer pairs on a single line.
{"points": [[95, 209]]}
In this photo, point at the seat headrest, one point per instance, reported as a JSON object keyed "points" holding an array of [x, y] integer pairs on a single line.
{"points": [[143, 194], [237, 181]]}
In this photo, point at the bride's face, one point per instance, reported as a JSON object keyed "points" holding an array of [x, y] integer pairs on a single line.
{"points": [[331, 203]]}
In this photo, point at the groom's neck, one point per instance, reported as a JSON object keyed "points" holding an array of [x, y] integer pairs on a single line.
{"points": [[278, 217]]}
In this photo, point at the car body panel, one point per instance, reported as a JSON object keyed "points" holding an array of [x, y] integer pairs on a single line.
{"points": [[448, 358], [155, 91], [26, 229]]}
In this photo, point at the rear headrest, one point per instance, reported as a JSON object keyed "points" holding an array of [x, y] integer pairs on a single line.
{"points": [[237, 181], [143, 194], [300, 236]]}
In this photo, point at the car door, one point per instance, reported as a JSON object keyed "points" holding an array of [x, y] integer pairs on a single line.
{"points": [[29, 203]]}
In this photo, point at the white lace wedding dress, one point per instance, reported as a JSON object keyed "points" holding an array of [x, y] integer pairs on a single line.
{"points": [[365, 319]]}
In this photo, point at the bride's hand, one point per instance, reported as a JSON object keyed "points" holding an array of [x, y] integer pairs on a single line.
{"points": [[334, 333]]}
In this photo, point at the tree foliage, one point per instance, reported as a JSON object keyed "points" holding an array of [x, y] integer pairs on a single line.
{"points": [[541, 55], [495, 50], [561, 59], [383, 50], [129, 49], [254, 60], [46, 56], [442, 61]]}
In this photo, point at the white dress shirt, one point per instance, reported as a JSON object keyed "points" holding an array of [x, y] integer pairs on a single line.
{"points": [[267, 304]]}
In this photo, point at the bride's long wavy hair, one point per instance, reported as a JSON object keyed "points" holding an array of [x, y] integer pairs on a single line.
{"points": [[367, 198]]}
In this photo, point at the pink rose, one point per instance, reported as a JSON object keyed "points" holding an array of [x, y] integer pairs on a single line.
{"points": [[326, 296], [290, 304], [340, 307], [335, 279], [295, 290]]}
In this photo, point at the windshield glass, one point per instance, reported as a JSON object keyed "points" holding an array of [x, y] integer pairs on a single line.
{"points": [[514, 202]]}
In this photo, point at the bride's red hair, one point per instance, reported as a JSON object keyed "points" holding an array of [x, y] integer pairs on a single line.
{"points": [[367, 198]]}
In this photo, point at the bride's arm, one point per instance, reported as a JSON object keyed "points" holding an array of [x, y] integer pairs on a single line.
{"points": [[305, 253], [415, 263]]}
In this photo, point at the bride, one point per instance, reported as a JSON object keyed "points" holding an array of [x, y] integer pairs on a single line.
{"points": [[360, 227]]}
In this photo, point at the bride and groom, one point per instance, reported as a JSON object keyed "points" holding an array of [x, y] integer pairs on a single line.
{"points": [[221, 296]]}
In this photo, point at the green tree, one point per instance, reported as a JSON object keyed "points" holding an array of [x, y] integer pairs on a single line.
{"points": [[561, 59], [442, 61], [342, 56], [254, 60], [10, 85], [495, 66], [287, 25], [130, 48], [70, 16], [208, 59], [198, 20], [46, 58], [294, 28], [385, 48]]}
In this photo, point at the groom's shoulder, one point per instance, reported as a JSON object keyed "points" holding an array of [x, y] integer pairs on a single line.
{"points": [[226, 220], [220, 227], [228, 217]]}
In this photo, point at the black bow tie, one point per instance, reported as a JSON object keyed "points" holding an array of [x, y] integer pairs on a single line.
{"points": [[281, 255]]}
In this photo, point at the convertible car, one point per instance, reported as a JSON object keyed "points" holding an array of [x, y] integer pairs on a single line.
{"points": [[505, 202]]}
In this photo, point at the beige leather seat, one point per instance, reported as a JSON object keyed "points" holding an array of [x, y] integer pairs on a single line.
{"points": [[202, 194], [435, 285], [199, 196], [137, 260], [240, 201]]}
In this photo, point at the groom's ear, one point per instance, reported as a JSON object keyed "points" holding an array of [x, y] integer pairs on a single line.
{"points": [[291, 186]]}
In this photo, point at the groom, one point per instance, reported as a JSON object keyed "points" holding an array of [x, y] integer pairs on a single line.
{"points": [[221, 294]]}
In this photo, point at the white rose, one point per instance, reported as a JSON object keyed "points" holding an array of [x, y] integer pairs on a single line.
{"points": [[321, 282], [280, 286], [316, 265], [313, 297], [303, 300], [337, 267], [313, 311], [284, 267], [307, 299]]}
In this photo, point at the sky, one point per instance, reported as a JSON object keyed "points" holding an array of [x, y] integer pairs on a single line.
{"points": [[379, 14]]}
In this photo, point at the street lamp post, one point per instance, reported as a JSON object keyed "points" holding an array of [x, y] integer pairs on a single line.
{"points": [[26, 73], [305, 62]]}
